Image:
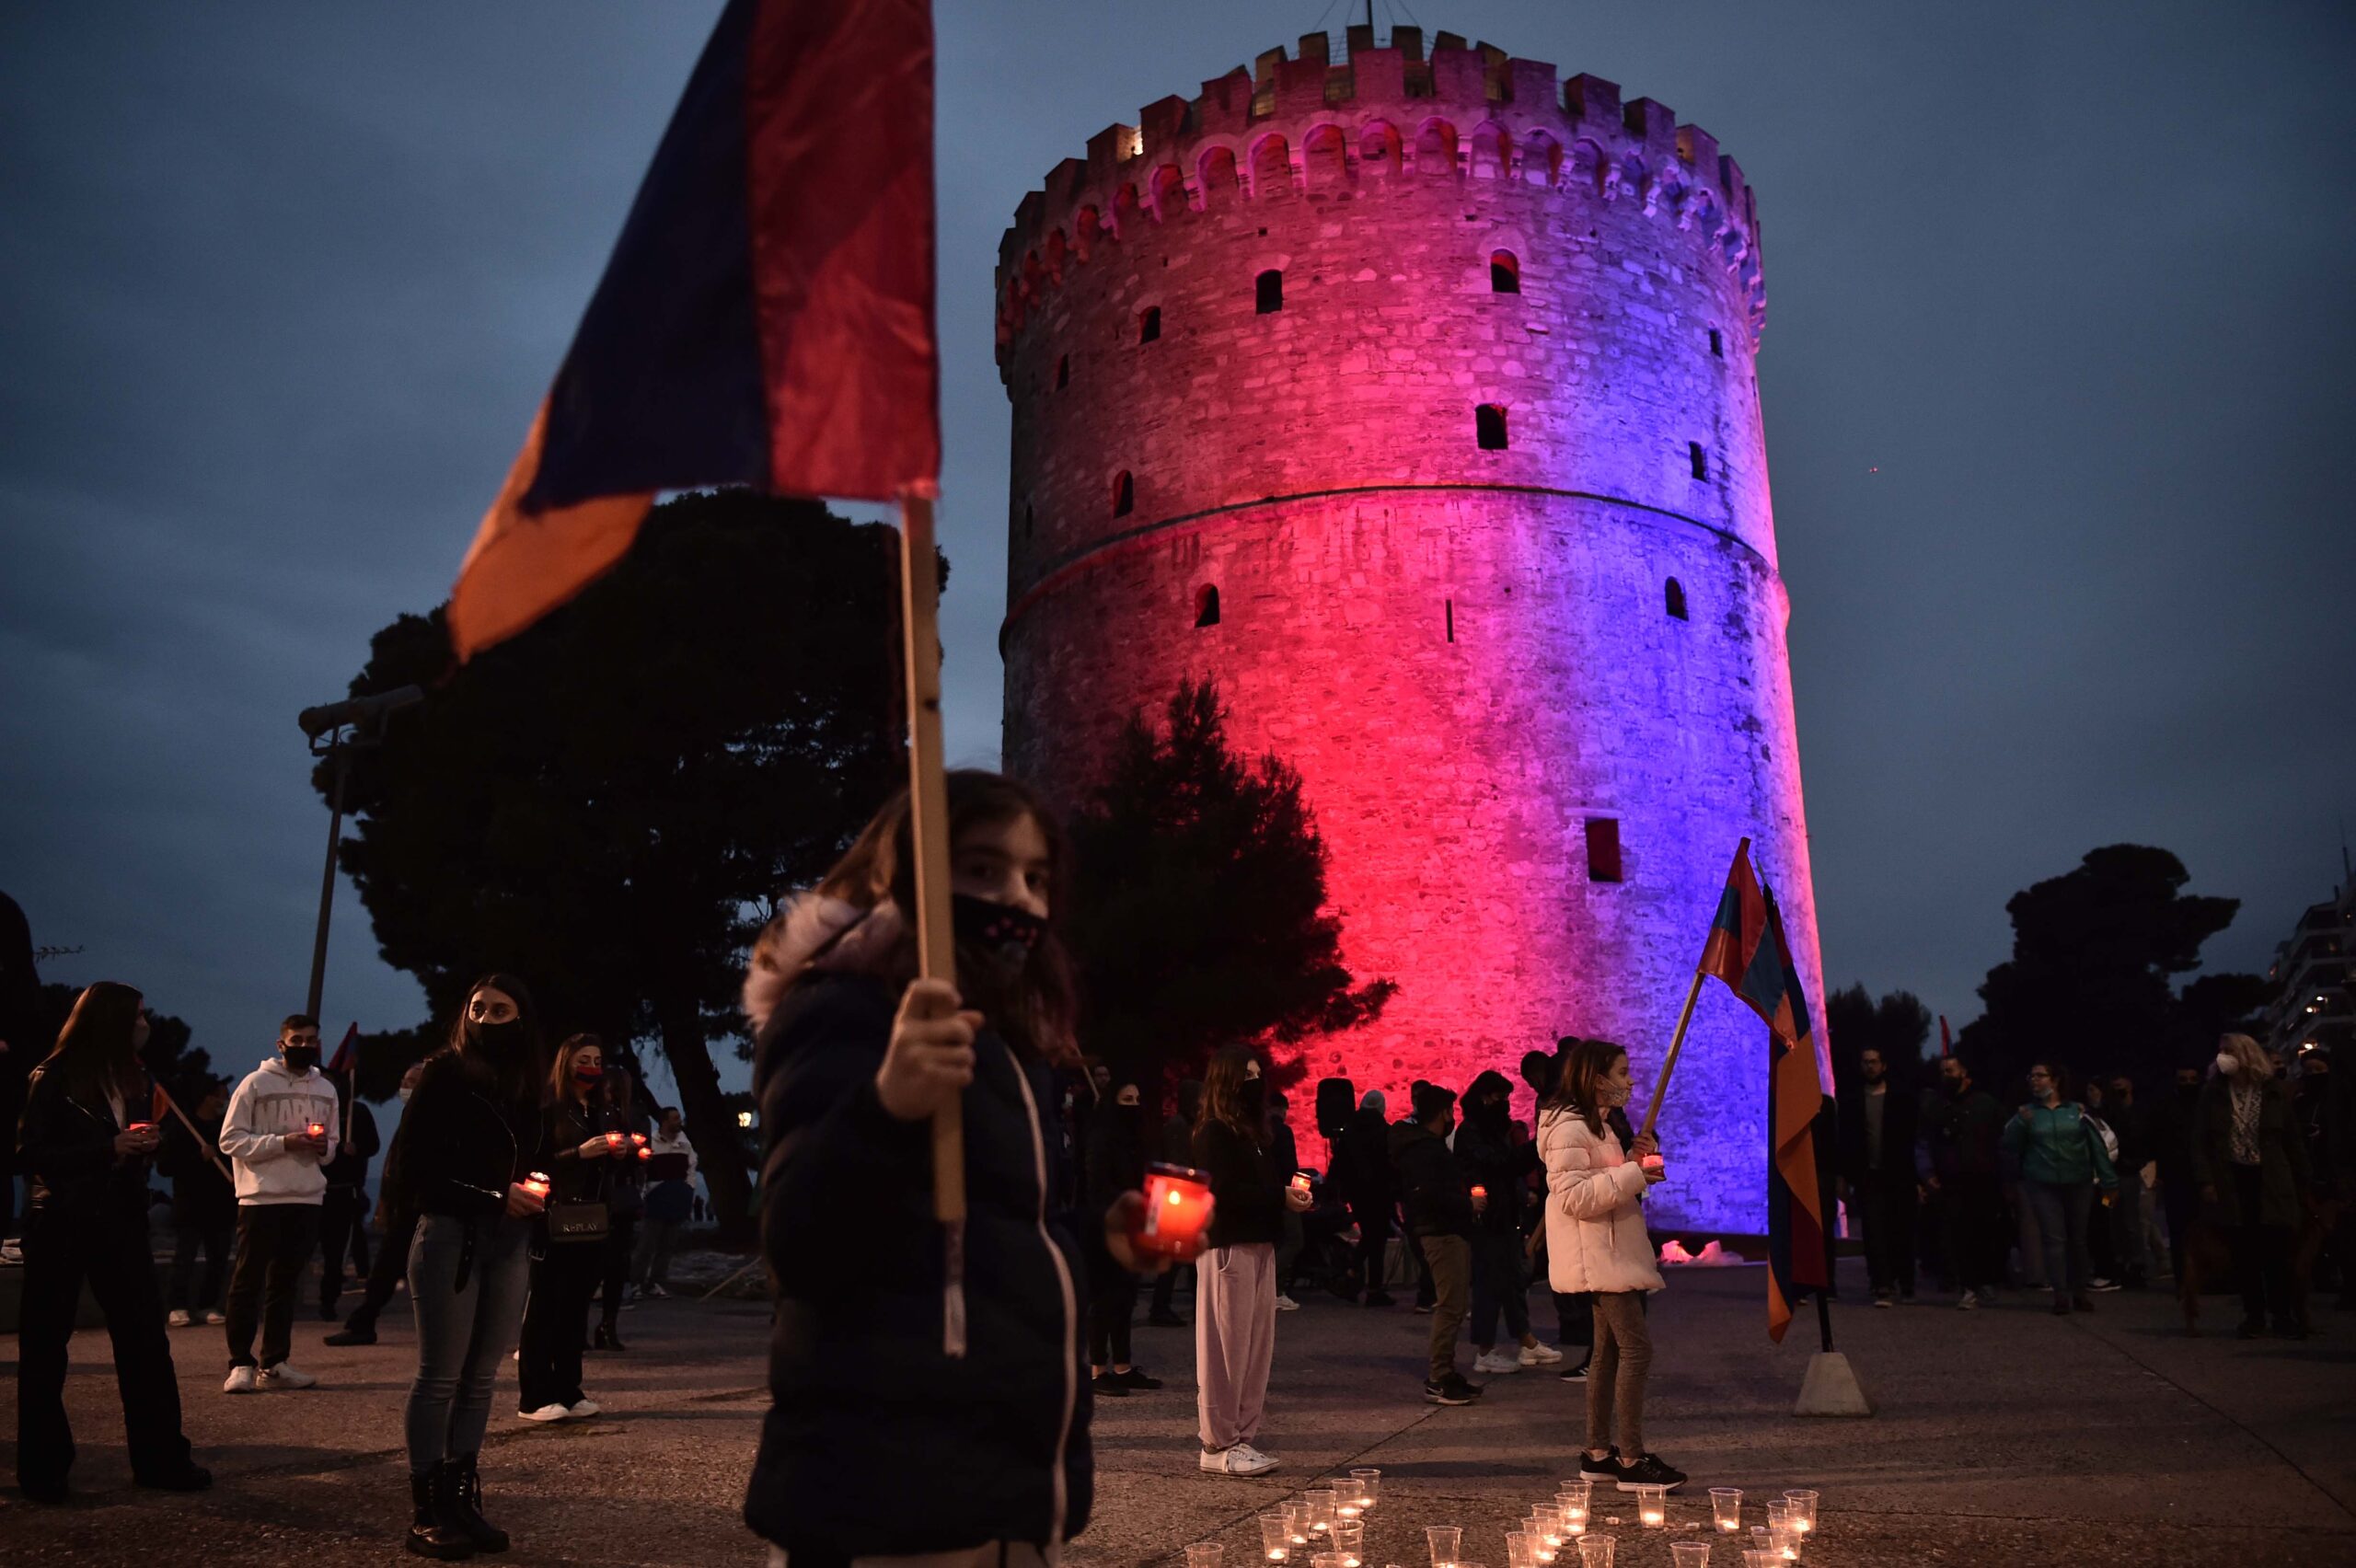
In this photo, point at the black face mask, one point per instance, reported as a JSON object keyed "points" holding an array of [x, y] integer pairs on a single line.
{"points": [[1255, 1096], [496, 1040], [1001, 930], [1954, 1087], [301, 1059]]}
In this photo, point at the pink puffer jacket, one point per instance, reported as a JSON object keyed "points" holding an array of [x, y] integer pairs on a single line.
{"points": [[1595, 1222]]}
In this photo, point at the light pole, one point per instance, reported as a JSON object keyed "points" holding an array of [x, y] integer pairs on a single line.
{"points": [[334, 730]]}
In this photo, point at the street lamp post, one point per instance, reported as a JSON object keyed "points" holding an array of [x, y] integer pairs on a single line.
{"points": [[334, 730]]}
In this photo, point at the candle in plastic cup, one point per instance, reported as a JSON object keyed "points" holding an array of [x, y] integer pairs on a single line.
{"points": [[1690, 1555], [1297, 1526], [1368, 1483], [1726, 1508], [1769, 1559], [1275, 1540], [1446, 1543], [1781, 1533], [1206, 1555], [1349, 1540], [1321, 1509], [1543, 1547], [1177, 1211], [1521, 1549], [1547, 1520], [1572, 1497], [1802, 1513], [1652, 1506], [1326, 1559], [1595, 1551]]}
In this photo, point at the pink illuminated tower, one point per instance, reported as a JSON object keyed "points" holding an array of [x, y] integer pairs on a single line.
{"points": [[1413, 399]]}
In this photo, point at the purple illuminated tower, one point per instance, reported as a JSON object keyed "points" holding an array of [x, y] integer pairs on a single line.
{"points": [[1413, 399]]}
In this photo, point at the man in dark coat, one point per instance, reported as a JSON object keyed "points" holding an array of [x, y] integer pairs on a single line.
{"points": [[1436, 1198], [1957, 1157], [1362, 1175], [1878, 1175], [204, 1207], [343, 1209]]}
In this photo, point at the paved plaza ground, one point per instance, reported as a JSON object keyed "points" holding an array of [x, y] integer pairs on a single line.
{"points": [[2004, 1436]]}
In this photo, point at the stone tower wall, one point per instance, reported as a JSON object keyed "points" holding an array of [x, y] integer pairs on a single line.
{"points": [[1469, 653]]}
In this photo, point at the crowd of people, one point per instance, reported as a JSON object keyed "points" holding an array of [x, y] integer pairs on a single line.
{"points": [[527, 1180]]}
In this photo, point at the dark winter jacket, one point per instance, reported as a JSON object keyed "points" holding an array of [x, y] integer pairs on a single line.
{"points": [[1898, 1124], [1434, 1191], [1115, 1152], [1247, 1185], [1362, 1163], [626, 1173], [2283, 1175], [461, 1145], [1484, 1148], [65, 1149], [876, 1442], [357, 1146], [201, 1195], [1959, 1137]]}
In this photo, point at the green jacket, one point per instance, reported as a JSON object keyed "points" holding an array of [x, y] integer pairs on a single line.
{"points": [[2056, 1144]]}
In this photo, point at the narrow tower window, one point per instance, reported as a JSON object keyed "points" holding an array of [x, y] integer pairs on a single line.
{"points": [[1449, 612], [1489, 426], [1504, 272], [1717, 344], [1206, 606], [1029, 522], [1149, 324], [1603, 849], [1700, 461], [1271, 287], [1676, 599], [1125, 494], [1063, 373]]}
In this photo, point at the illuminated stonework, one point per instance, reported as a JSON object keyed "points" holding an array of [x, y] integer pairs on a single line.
{"points": [[1480, 483]]}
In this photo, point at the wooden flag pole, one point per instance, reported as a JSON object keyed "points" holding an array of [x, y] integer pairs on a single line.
{"points": [[1684, 1022], [929, 813], [210, 1152]]}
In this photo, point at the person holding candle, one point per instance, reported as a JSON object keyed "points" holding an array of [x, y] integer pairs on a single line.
{"points": [[671, 1172], [1177, 1149], [1362, 1173], [853, 1055], [467, 1142], [1501, 1169], [2254, 1174], [1436, 1196], [279, 1164], [1115, 1164], [585, 1157], [344, 1207], [625, 1198], [85, 1145], [2062, 1159], [1595, 1241], [1235, 1296]]}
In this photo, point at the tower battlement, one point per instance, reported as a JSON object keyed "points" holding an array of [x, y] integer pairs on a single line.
{"points": [[1300, 124]]}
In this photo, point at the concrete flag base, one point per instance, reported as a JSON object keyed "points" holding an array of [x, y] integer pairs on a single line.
{"points": [[1832, 1387]]}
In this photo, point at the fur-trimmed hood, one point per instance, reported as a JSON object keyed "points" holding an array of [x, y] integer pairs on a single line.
{"points": [[816, 933]]}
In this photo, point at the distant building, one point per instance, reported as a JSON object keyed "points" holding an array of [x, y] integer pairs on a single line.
{"points": [[2315, 972]]}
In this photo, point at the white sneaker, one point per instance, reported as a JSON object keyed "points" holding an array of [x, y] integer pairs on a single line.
{"points": [[1495, 1361], [283, 1376], [243, 1381], [546, 1412], [178, 1318], [1971, 1302], [1286, 1303], [1540, 1355], [1242, 1459], [584, 1410], [215, 1318]]}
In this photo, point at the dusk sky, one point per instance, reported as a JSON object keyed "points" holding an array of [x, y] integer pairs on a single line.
{"points": [[2060, 344]]}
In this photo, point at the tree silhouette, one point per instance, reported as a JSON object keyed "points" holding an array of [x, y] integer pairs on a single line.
{"points": [[608, 803], [1898, 1026], [184, 1072], [1201, 899]]}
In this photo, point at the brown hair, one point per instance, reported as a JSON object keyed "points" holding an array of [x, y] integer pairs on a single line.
{"points": [[94, 1052], [1033, 1009], [563, 1088], [1574, 1087], [1223, 1099]]}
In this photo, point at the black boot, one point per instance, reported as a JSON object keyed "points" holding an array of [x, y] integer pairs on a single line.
{"points": [[358, 1329], [431, 1532], [465, 1511], [609, 1337]]}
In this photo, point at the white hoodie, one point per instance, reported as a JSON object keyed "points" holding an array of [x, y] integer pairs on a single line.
{"points": [[271, 1104]]}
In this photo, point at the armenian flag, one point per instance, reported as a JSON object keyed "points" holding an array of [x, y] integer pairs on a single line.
{"points": [[1739, 925], [1796, 1254], [766, 317], [347, 1050]]}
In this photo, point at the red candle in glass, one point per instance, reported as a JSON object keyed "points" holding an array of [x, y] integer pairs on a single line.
{"points": [[639, 1138], [1177, 1211], [1654, 1162], [318, 1129], [613, 1140], [1480, 1192], [645, 1154], [1300, 1180], [537, 1183], [141, 1127]]}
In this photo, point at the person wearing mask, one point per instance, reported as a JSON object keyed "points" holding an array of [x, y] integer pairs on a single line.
{"points": [[1877, 1176], [1596, 1242], [204, 1207], [1500, 1170], [468, 1147], [1177, 1149], [1115, 1161], [344, 1207], [2062, 1157], [399, 1223], [1235, 1294], [279, 1166], [1958, 1161], [2252, 1166], [85, 1145], [671, 1185], [572, 1259], [1284, 1150], [1436, 1197], [1362, 1175], [625, 1199], [2131, 1217], [853, 1055]]}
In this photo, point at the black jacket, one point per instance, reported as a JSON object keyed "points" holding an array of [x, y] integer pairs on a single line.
{"points": [[626, 1178], [1115, 1152], [1959, 1137], [1486, 1151], [65, 1149], [357, 1147], [1898, 1124], [1362, 1162], [1247, 1186], [875, 1441], [461, 1145], [1434, 1192], [572, 1179], [201, 1195]]}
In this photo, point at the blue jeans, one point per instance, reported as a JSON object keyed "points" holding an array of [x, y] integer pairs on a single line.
{"points": [[2061, 1209], [462, 1333]]}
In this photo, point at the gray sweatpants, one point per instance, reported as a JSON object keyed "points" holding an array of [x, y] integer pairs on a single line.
{"points": [[1235, 1338], [1615, 1377]]}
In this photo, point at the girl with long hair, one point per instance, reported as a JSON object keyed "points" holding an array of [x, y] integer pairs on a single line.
{"points": [[2061, 1158], [855, 1055], [85, 1145], [1235, 1289], [2254, 1173], [1596, 1242], [571, 1257], [468, 1141]]}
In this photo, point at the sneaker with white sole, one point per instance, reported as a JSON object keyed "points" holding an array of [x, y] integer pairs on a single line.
{"points": [[546, 1412], [215, 1318], [1969, 1303], [1540, 1355], [283, 1376], [1286, 1303], [584, 1410], [1242, 1459], [1495, 1361], [178, 1318], [243, 1381]]}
